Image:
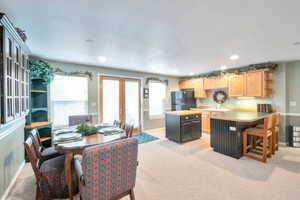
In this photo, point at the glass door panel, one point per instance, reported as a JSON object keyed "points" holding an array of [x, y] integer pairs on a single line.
{"points": [[132, 102], [111, 100]]}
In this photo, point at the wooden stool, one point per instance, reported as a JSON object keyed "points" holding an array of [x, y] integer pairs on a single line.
{"points": [[275, 131], [266, 136]]}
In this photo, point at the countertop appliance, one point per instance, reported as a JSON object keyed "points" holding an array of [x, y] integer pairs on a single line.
{"points": [[183, 100], [183, 128]]}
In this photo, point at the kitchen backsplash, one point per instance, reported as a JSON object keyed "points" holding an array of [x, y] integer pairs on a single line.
{"points": [[243, 102]]}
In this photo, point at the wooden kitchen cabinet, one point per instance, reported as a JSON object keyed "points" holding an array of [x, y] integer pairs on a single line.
{"points": [[236, 85], [185, 84], [254, 84], [209, 83], [199, 88], [221, 82], [206, 122]]}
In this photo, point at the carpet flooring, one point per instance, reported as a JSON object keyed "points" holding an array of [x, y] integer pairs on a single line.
{"points": [[193, 171]]}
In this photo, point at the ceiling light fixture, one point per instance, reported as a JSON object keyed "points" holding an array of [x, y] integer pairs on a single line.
{"points": [[102, 58], [223, 67], [234, 57]]}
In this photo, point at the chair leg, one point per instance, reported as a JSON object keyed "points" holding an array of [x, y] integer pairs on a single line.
{"points": [[132, 197], [264, 159], [245, 143], [38, 193]]}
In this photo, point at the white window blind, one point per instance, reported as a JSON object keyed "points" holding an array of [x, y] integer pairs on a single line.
{"points": [[157, 95], [69, 96]]}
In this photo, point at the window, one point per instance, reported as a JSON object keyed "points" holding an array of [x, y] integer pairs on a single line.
{"points": [[157, 95], [69, 96]]}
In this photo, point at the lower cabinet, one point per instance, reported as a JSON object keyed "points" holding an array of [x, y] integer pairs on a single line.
{"points": [[183, 128], [206, 122]]}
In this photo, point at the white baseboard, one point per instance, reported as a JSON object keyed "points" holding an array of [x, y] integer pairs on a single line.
{"points": [[13, 181]]}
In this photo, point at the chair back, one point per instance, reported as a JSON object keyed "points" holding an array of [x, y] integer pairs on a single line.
{"points": [[129, 130], [79, 119], [268, 122], [277, 119], [109, 169], [117, 123], [37, 144], [33, 157]]}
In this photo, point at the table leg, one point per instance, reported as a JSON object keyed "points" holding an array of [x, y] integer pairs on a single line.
{"points": [[68, 173]]}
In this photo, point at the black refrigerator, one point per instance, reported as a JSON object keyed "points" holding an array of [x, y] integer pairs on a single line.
{"points": [[183, 100]]}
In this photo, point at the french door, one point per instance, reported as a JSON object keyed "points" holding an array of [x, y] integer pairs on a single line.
{"points": [[120, 100]]}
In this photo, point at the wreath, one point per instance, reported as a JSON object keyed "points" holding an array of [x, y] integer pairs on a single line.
{"points": [[220, 97]]}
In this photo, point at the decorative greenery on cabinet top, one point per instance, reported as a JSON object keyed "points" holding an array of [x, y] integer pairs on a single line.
{"points": [[41, 69]]}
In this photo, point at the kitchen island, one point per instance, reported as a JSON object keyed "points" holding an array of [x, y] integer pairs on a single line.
{"points": [[227, 129], [183, 126]]}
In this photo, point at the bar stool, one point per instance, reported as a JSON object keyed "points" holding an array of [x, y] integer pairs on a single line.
{"points": [[276, 124], [250, 146]]}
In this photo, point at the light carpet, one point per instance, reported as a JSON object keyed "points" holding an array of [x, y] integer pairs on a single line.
{"points": [[193, 171]]}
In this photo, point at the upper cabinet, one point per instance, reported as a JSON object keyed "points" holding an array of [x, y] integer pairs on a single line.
{"points": [[14, 73], [247, 84], [185, 84], [199, 88], [210, 83], [197, 84], [236, 85], [258, 84], [221, 82], [254, 84]]}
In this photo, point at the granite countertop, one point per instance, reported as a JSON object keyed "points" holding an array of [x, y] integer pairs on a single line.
{"points": [[183, 112], [240, 116]]}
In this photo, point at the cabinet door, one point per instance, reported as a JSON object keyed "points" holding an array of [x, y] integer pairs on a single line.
{"points": [[236, 85], [222, 82], [199, 88], [254, 84], [206, 122], [209, 83], [185, 84], [8, 78]]}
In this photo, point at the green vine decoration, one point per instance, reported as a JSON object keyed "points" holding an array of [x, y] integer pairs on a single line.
{"points": [[41, 69]]}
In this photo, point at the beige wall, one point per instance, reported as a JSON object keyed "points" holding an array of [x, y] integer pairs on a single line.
{"points": [[147, 123]]}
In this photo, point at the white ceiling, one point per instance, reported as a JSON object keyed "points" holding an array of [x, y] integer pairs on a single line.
{"points": [[174, 37]]}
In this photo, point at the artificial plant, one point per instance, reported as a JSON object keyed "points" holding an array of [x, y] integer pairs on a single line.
{"points": [[41, 69]]}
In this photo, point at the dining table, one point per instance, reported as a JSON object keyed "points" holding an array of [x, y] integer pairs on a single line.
{"points": [[70, 148]]}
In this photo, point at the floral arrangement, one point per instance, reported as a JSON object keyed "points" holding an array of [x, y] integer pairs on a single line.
{"points": [[87, 130]]}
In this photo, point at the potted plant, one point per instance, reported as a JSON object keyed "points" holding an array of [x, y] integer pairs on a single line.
{"points": [[41, 69]]}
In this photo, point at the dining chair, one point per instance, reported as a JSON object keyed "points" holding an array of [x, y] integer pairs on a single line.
{"points": [[119, 124], [129, 130], [42, 152], [79, 119], [107, 171], [50, 178]]}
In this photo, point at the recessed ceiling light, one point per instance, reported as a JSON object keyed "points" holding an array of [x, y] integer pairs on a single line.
{"points": [[234, 57], [89, 40], [296, 43], [223, 67], [102, 58], [192, 73]]}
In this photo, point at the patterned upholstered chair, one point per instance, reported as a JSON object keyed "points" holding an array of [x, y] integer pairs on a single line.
{"points": [[108, 171], [50, 178], [79, 119], [42, 153]]}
